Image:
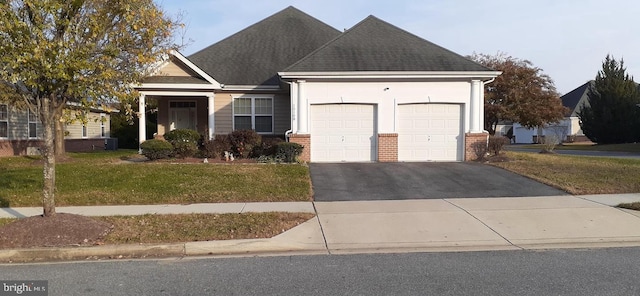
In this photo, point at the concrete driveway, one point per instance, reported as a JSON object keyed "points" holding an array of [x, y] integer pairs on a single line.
{"points": [[434, 180]]}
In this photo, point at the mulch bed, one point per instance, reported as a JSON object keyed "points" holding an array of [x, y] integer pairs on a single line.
{"points": [[189, 160], [59, 230]]}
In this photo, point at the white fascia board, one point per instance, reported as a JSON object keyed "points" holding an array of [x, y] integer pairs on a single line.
{"points": [[175, 93], [195, 68], [176, 86], [251, 87], [393, 74]]}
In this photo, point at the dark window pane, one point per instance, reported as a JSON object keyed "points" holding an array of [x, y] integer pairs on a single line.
{"points": [[242, 123], [264, 124], [3, 129], [4, 112], [32, 130]]}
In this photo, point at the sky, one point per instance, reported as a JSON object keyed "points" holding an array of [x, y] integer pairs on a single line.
{"points": [[567, 39]]}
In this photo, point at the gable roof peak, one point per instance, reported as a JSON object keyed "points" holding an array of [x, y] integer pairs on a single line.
{"points": [[254, 55], [375, 45]]}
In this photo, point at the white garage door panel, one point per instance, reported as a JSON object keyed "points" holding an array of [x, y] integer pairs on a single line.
{"points": [[343, 132], [429, 132]]}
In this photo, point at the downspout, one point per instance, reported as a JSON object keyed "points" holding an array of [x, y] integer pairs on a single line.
{"points": [[483, 84], [286, 135], [482, 93], [289, 131]]}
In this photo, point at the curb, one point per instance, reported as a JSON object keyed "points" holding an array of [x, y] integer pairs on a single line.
{"points": [[256, 247], [205, 248]]}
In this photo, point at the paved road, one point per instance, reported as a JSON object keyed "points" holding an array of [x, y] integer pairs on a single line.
{"points": [[581, 152], [558, 272], [381, 181]]}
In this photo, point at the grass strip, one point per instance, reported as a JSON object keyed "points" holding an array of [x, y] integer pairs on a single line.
{"points": [[175, 228], [630, 147], [577, 174], [631, 206]]}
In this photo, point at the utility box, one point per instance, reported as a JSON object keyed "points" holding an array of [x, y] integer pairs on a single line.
{"points": [[111, 144]]}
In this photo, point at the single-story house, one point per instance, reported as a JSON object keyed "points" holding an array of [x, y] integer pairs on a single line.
{"points": [[374, 92], [21, 132], [568, 129]]}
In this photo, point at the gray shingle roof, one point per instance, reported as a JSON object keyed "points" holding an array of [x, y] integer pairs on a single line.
{"points": [[254, 55], [576, 98], [375, 45]]}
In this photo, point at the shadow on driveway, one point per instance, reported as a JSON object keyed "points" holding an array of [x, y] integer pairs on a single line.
{"points": [[431, 180]]}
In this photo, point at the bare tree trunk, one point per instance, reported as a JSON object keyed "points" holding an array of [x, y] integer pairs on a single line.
{"points": [[48, 153], [59, 134]]}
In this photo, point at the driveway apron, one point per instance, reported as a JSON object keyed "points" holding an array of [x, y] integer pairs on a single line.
{"points": [[431, 180]]}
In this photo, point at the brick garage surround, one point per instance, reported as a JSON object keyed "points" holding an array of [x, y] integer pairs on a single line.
{"points": [[470, 140], [305, 141], [388, 147]]}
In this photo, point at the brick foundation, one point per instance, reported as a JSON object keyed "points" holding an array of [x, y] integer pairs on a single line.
{"points": [[83, 145], [26, 147], [470, 141], [19, 147], [388, 147], [305, 141]]}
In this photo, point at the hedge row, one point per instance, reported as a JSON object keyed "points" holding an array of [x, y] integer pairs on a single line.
{"points": [[240, 143]]}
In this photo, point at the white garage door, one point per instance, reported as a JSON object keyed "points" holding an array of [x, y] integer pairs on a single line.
{"points": [[343, 132], [429, 132]]}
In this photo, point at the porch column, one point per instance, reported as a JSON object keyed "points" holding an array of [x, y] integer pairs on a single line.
{"points": [[142, 128], [482, 107], [474, 114], [303, 109], [211, 116], [294, 107]]}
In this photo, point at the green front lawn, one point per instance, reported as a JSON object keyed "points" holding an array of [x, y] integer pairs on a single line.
{"points": [[576, 174], [631, 147], [105, 179]]}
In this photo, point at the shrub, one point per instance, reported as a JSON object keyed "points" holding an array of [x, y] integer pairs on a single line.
{"points": [[216, 147], [267, 147], [288, 151], [156, 149], [479, 150], [496, 144], [184, 141], [243, 141]]}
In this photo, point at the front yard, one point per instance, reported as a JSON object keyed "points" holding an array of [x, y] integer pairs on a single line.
{"points": [[119, 178], [103, 178], [576, 174], [111, 178]]}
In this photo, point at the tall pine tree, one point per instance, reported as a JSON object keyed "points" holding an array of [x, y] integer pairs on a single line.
{"points": [[612, 114]]}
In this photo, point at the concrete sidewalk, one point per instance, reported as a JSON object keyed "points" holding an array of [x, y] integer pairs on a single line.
{"points": [[203, 208], [387, 226]]}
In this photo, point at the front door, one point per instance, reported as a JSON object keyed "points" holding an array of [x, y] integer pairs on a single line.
{"points": [[182, 115]]}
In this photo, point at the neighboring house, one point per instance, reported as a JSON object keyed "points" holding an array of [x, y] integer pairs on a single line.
{"points": [[21, 132], [568, 129], [371, 93]]}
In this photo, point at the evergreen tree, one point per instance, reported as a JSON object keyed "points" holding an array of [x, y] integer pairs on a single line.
{"points": [[612, 114]]}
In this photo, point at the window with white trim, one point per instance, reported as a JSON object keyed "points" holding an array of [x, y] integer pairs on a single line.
{"points": [[4, 121], [85, 132], [103, 128], [33, 125], [254, 113]]}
